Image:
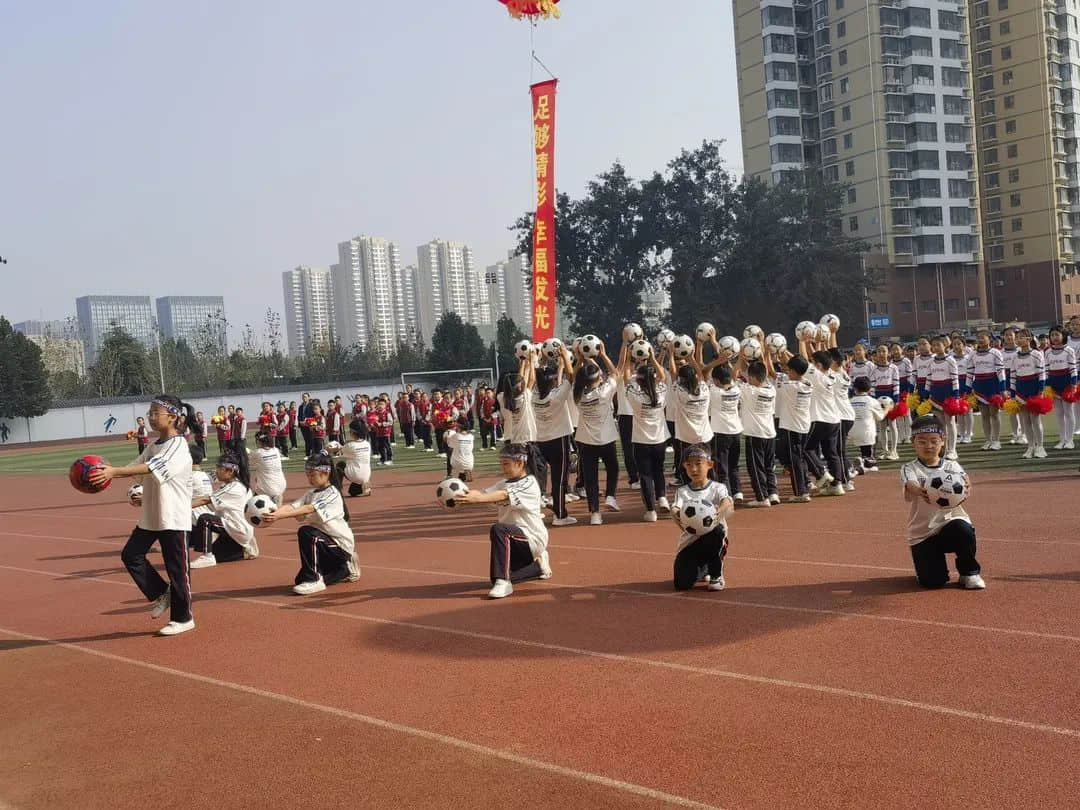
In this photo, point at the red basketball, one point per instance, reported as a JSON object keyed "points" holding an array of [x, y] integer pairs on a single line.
{"points": [[80, 472]]}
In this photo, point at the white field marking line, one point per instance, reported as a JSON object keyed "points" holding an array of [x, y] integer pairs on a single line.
{"points": [[833, 691], [683, 596], [384, 725]]}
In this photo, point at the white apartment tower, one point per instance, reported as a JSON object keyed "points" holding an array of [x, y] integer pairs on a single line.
{"points": [[447, 281], [373, 294], [309, 308], [508, 290]]}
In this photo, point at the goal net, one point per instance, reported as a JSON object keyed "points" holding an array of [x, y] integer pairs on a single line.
{"points": [[449, 378]]}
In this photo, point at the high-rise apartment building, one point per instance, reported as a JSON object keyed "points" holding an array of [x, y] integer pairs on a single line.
{"points": [[61, 347], [1027, 82], [447, 281], [193, 318], [100, 314], [309, 308], [508, 291], [374, 296], [877, 96]]}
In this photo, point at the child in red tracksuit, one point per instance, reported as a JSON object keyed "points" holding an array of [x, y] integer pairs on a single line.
{"points": [[383, 419], [442, 414]]}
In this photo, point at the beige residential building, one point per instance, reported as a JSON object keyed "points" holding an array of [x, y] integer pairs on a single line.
{"points": [[1026, 63], [878, 96]]}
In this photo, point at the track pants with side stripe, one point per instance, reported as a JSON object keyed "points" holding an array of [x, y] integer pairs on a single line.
{"points": [[174, 552]]}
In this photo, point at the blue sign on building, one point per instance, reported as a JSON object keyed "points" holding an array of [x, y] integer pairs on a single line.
{"points": [[880, 322]]}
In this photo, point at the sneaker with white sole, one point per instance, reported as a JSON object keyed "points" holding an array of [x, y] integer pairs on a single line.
{"points": [[636, 485], [669, 449], [738, 497], [308, 588], [663, 504], [1028, 453], [824, 480], [161, 604], [716, 584], [972, 582], [1070, 445], [835, 489], [757, 504], [501, 589], [798, 499], [571, 497], [893, 456], [849, 486], [649, 517], [611, 503], [596, 519], [354, 570], [569, 520], [994, 446], [952, 455], [1040, 452], [176, 628], [774, 498], [544, 561], [205, 561]]}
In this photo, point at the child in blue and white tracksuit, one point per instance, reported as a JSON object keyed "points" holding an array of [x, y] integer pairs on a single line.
{"points": [[1061, 376], [1027, 380], [986, 378], [943, 382]]}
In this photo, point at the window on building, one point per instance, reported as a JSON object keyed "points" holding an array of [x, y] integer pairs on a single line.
{"points": [[960, 215], [1007, 77], [993, 229], [973, 303], [990, 157], [776, 99], [992, 180], [922, 131], [851, 192], [1003, 5], [843, 86], [952, 49], [1018, 248], [848, 140], [953, 77], [993, 205], [957, 133], [1006, 53], [982, 33], [928, 216], [1010, 102], [1017, 224], [784, 125], [1003, 28], [982, 10], [842, 57], [828, 147], [1014, 175], [984, 58], [849, 168], [1010, 126], [962, 243], [988, 107], [853, 223], [786, 153], [928, 305], [841, 29], [959, 189], [871, 307], [1011, 151], [839, 4], [1068, 298], [845, 112], [952, 303], [907, 307], [832, 174], [958, 161], [883, 308], [986, 83]]}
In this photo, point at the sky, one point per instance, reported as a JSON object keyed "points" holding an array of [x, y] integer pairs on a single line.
{"points": [[202, 148]]}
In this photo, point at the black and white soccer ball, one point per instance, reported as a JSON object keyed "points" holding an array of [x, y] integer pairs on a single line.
{"points": [[591, 345], [641, 350], [947, 490], [729, 344], [705, 331], [632, 332], [135, 494], [753, 331], [822, 333], [750, 348], [830, 320], [552, 348], [806, 330], [697, 517], [258, 507], [523, 349], [449, 490], [683, 346], [664, 338], [775, 342]]}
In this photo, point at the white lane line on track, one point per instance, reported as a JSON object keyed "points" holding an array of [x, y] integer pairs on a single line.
{"points": [[784, 683], [384, 725], [686, 596]]}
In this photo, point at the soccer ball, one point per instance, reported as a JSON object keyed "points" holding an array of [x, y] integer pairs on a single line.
{"points": [[523, 349], [806, 330], [886, 403], [697, 517], [948, 490], [750, 348], [135, 494], [79, 474], [729, 344], [682, 346], [705, 330], [822, 333], [776, 342], [632, 332], [576, 344], [640, 350], [552, 348], [664, 338], [829, 321], [333, 446], [450, 489], [591, 345], [753, 331], [258, 507]]}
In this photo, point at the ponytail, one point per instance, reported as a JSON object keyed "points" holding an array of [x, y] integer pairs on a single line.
{"points": [[545, 381], [688, 378], [184, 413], [646, 378], [238, 460], [511, 386], [587, 375], [323, 460]]}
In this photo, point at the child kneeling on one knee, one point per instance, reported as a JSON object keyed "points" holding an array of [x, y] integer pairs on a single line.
{"points": [[933, 531], [519, 539], [701, 556]]}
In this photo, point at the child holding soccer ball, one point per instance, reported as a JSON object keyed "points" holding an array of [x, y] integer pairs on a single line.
{"points": [[235, 537], [519, 538], [701, 556], [934, 532]]}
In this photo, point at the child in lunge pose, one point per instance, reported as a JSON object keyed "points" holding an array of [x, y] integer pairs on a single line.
{"points": [[701, 556]]}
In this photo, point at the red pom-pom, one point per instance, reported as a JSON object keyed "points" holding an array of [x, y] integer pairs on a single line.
{"points": [[1071, 394], [1039, 405], [955, 406], [898, 410], [998, 401]]}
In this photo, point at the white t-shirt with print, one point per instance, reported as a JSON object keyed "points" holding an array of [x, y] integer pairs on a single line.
{"points": [[461, 450], [650, 422], [329, 516], [523, 509], [519, 427], [724, 409], [692, 414], [552, 414], [166, 500], [596, 422], [228, 502], [757, 406]]}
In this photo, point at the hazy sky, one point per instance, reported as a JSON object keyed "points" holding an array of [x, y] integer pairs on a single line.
{"points": [[205, 147]]}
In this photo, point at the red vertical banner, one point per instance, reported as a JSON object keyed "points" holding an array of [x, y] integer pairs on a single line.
{"points": [[543, 268]]}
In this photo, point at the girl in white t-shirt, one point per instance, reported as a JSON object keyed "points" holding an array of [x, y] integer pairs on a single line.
{"points": [[596, 432], [724, 398], [235, 536], [624, 416], [514, 400], [354, 464], [326, 543], [647, 391], [460, 441], [690, 393], [164, 470], [549, 397], [757, 410], [267, 477]]}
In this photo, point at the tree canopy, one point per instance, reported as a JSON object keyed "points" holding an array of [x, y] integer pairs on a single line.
{"points": [[456, 344], [24, 384]]}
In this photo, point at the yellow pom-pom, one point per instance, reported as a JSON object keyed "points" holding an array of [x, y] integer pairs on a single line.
{"points": [[924, 408], [1048, 392], [913, 401], [1012, 406], [973, 401]]}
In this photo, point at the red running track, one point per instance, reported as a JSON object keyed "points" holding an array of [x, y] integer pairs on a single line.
{"points": [[821, 677]]}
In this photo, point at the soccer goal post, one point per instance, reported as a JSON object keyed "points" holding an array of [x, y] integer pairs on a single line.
{"points": [[449, 378]]}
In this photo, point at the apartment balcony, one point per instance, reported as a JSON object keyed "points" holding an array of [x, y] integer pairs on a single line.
{"points": [[904, 259]]}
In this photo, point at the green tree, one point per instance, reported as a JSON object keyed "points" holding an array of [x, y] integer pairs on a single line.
{"points": [[24, 384], [507, 335], [122, 367], [456, 344]]}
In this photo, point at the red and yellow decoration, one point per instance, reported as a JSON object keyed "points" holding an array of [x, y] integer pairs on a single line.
{"points": [[532, 9], [924, 408], [1012, 406], [955, 406], [543, 292], [898, 410], [1039, 405]]}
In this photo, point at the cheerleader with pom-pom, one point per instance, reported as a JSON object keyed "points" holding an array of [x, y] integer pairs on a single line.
{"points": [[1026, 385], [885, 378], [906, 371], [986, 379], [1008, 353], [942, 385], [1073, 328], [1061, 379], [965, 422]]}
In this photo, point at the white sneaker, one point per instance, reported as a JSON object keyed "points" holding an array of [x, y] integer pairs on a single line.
{"points": [[1022, 439], [502, 588], [663, 504], [757, 504], [995, 446], [546, 501], [972, 582], [738, 498], [430, 450], [354, 570], [389, 464], [161, 604], [823, 481], [635, 486], [611, 503], [596, 519], [176, 628], [1028, 453], [835, 489], [893, 456], [442, 455], [649, 517], [1040, 452], [205, 561], [669, 449], [798, 499], [308, 588], [1014, 440], [774, 498], [544, 562], [1070, 445], [952, 456], [849, 486], [986, 446], [571, 497], [1060, 445], [717, 584], [569, 520]]}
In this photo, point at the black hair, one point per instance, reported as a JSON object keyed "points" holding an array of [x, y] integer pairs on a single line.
{"points": [[197, 455], [587, 375], [836, 355], [689, 378], [186, 417], [243, 475], [359, 429], [646, 378], [511, 386], [821, 358], [262, 439], [756, 370], [545, 380], [861, 384], [798, 364], [722, 373], [322, 459]]}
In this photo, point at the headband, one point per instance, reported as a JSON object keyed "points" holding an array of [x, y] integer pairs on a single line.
{"points": [[935, 428], [697, 451], [315, 463], [229, 465], [167, 406], [513, 453]]}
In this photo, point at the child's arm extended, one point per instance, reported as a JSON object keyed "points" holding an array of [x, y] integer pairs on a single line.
{"points": [[913, 490], [475, 496], [725, 509], [104, 473], [288, 511]]}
